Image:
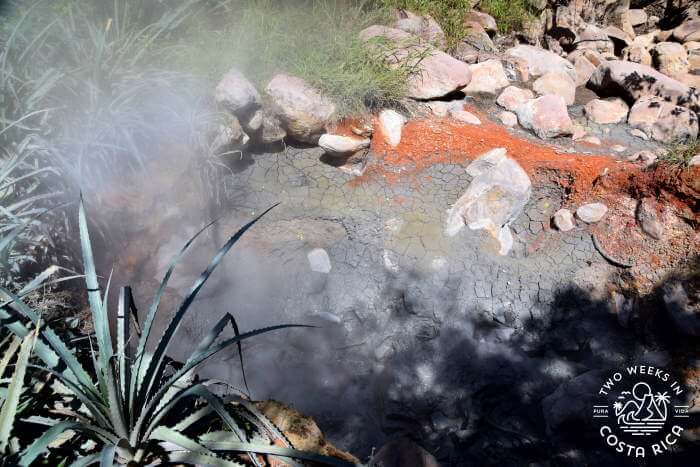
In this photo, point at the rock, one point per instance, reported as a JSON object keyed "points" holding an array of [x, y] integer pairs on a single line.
{"points": [[403, 452], [464, 116], [682, 301], [584, 70], [594, 38], [424, 27], [272, 131], [496, 196], [484, 20], [255, 122], [594, 140], [694, 59], [487, 78], [645, 40], [670, 58], [236, 94], [391, 124], [338, 145], [557, 83], [618, 148], [319, 261], [437, 74], [607, 111], [540, 61], [688, 31], [663, 121], [537, 5], [694, 161], [301, 431], [620, 38], [637, 17], [592, 212], [229, 137], [476, 37], [532, 29], [515, 68], [632, 81], [546, 116], [689, 79], [303, 111], [466, 52], [639, 134], [564, 220], [647, 158], [513, 96], [578, 132], [637, 54], [509, 119], [648, 218]]}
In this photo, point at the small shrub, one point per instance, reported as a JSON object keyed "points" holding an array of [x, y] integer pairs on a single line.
{"points": [[680, 153]]}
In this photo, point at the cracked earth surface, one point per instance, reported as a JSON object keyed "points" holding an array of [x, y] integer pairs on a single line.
{"points": [[420, 333]]}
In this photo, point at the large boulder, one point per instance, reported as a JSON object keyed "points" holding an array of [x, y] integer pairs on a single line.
{"points": [[584, 70], [606, 111], [670, 58], [632, 81], [512, 97], [540, 61], [304, 111], [485, 20], [688, 31], [424, 27], [487, 78], [546, 116], [663, 120], [436, 73], [496, 196], [557, 83], [594, 38], [236, 94]]}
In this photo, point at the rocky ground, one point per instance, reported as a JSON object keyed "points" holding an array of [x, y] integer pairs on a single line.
{"points": [[475, 257]]}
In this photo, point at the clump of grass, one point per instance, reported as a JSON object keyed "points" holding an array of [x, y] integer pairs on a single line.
{"points": [[316, 40], [680, 153], [448, 13], [509, 14]]}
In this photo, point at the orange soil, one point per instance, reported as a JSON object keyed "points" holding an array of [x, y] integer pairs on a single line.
{"points": [[426, 142]]}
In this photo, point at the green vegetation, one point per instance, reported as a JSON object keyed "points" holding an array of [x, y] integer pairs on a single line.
{"points": [[135, 398], [316, 40], [448, 13], [680, 153], [510, 15]]}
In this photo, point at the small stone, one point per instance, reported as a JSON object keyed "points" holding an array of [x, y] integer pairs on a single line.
{"points": [[564, 220], [236, 94], [509, 119], [648, 218], [694, 161], [645, 157], [342, 145], [391, 123], [619, 148], [579, 132], [546, 116], [592, 212], [607, 111], [639, 134], [465, 117], [319, 261], [594, 140], [513, 96]]}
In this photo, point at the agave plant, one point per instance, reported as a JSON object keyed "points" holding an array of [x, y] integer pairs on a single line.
{"points": [[138, 407]]}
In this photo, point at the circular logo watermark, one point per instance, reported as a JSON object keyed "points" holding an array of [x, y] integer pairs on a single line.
{"points": [[640, 411]]}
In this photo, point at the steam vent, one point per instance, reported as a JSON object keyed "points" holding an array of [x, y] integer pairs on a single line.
{"points": [[373, 233]]}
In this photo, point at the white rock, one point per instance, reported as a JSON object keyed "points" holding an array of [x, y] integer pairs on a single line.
{"points": [[488, 77], [647, 158], [465, 117], [592, 212], [639, 134], [496, 196], [606, 112], [564, 220], [546, 116], [391, 124], [557, 83], [235, 93], [319, 261], [509, 119], [694, 161], [540, 61], [342, 145], [513, 96], [590, 139]]}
